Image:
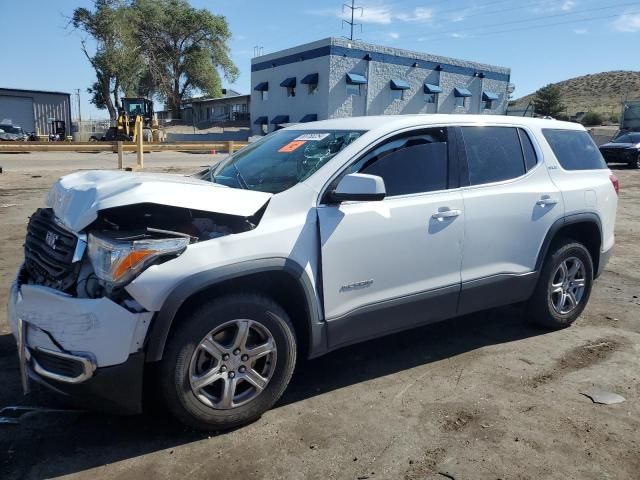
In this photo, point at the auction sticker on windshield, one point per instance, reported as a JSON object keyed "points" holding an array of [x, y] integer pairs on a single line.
{"points": [[312, 137], [292, 146]]}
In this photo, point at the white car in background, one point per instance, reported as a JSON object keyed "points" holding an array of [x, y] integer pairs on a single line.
{"points": [[315, 237]]}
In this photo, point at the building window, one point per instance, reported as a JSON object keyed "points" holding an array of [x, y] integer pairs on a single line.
{"points": [[291, 91], [353, 89], [265, 95], [487, 104], [397, 95], [461, 95], [489, 100], [313, 88], [430, 97]]}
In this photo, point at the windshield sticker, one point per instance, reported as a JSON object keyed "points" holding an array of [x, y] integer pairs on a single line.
{"points": [[291, 146], [313, 137]]}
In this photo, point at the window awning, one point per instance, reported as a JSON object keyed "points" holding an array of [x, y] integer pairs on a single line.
{"points": [[397, 84], [309, 79], [309, 117], [261, 121], [429, 88], [355, 79], [288, 82], [280, 119], [489, 96], [461, 92], [262, 87]]}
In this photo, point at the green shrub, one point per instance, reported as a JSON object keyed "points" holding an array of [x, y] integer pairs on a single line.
{"points": [[591, 118], [563, 117]]}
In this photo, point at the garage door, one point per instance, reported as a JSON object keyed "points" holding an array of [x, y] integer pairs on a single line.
{"points": [[17, 110]]}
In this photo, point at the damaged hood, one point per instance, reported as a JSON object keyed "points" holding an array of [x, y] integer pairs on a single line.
{"points": [[76, 199]]}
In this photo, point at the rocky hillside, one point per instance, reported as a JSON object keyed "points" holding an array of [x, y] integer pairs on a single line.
{"points": [[599, 92]]}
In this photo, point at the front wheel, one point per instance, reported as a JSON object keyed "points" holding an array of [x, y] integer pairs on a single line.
{"points": [[564, 286], [228, 362], [635, 163]]}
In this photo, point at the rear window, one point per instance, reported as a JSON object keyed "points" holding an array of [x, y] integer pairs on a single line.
{"points": [[574, 149], [494, 154]]}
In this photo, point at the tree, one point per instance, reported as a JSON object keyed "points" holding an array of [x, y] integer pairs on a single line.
{"points": [[117, 60], [185, 49], [548, 101]]}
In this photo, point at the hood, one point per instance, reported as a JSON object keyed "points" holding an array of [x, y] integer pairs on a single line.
{"points": [[11, 136], [76, 199], [618, 146]]}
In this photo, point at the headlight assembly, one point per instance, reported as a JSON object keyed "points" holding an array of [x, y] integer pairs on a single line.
{"points": [[118, 261]]}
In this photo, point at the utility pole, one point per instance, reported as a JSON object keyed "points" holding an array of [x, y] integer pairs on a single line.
{"points": [[79, 110], [351, 24]]}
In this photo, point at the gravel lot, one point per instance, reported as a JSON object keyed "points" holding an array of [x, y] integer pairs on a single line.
{"points": [[481, 397]]}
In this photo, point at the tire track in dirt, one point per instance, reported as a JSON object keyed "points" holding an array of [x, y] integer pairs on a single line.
{"points": [[579, 357]]}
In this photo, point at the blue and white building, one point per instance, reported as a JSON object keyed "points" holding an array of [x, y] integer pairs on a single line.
{"points": [[335, 77]]}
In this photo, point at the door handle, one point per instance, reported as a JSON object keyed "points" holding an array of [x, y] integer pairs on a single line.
{"points": [[546, 200], [442, 214]]}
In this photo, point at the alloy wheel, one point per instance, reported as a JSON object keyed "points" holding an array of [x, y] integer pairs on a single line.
{"points": [[232, 364], [568, 285]]}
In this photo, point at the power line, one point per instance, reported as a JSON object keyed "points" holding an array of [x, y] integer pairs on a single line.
{"points": [[526, 20], [518, 29], [486, 4], [351, 24]]}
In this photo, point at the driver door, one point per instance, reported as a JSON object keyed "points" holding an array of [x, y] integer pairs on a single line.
{"points": [[394, 264]]}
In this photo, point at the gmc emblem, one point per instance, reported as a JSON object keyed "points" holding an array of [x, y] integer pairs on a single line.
{"points": [[51, 239]]}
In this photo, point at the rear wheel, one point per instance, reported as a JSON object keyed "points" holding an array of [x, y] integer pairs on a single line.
{"points": [[228, 362], [564, 285]]}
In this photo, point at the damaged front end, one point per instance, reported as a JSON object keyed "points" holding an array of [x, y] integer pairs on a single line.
{"points": [[124, 241], [79, 331]]}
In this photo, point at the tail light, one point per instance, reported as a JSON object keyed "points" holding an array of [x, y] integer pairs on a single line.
{"points": [[615, 183]]}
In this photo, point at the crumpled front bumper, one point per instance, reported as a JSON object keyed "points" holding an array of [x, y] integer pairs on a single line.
{"points": [[90, 349]]}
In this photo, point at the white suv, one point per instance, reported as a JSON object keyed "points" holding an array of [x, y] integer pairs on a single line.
{"points": [[314, 237]]}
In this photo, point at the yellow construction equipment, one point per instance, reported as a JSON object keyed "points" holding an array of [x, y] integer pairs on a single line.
{"points": [[136, 111]]}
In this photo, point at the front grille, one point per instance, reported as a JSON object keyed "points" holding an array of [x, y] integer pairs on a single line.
{"points": [[49, 250], [54, 364], [611, 155], [618, 155]]}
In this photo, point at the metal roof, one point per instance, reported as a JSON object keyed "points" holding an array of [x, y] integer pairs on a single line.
{"points": [[21, 90]]}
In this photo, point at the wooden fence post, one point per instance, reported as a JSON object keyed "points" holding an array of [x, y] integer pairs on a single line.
{"points": [[230, 147], [140, 147], [120, 159]]}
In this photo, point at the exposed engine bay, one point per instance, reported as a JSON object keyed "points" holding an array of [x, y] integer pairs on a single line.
{"points": [[153, 219], [124, 240]]}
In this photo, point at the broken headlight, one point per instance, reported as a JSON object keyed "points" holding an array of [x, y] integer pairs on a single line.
{"points": [[117, 261]]}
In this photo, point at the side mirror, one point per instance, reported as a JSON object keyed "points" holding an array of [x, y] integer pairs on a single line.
{"points": [[359, 187]]}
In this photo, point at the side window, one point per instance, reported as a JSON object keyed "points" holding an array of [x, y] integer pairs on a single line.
{"points": [[530, 157], [410, 163], [493, 154], [574, 149]]}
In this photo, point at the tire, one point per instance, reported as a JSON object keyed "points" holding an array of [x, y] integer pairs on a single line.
{"points": [[548, 306], [186, 362], [636, 163]]}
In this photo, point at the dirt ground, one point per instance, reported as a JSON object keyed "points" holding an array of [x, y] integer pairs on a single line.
{"points": [[485, 396]]}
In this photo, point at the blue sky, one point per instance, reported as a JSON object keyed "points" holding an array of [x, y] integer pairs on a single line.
{"points": [[542, 41]]}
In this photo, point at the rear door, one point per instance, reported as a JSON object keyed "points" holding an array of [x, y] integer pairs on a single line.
{"points": [[392, 264], [510, 203]]}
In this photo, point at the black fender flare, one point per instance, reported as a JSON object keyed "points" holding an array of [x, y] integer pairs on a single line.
{"points": [[161, 325], [585, 217]]}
